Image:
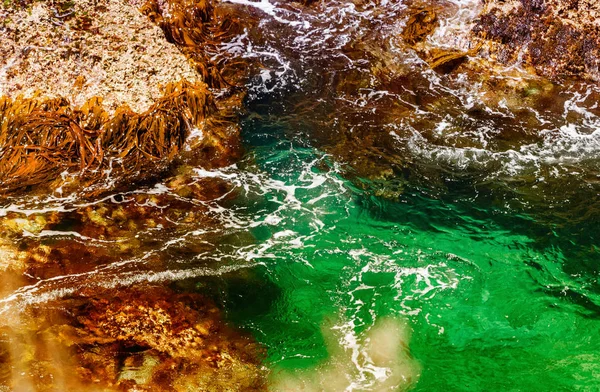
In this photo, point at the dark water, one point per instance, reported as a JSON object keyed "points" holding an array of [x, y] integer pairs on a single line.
{"points": [[379, 197]]}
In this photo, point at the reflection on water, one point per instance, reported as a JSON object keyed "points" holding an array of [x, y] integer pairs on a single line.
{"points": [[377, 196]]}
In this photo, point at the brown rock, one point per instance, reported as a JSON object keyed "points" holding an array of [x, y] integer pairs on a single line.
{"points": [[554, 37], [107, 48], [146, 338]]}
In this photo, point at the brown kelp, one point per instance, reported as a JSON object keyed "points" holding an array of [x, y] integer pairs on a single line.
{"points": [[421, 23], [444, 59], [42, 141], [376, 114], [198, 28]]}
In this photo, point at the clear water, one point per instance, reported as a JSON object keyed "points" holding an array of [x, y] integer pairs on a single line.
{"points": [[484, 237], [492, 305], [471, 213]]}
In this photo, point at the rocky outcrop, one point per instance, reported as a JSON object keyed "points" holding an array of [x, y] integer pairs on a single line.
{"points": [[554, 37], [92, 89], [86, 48], [97, 97]]}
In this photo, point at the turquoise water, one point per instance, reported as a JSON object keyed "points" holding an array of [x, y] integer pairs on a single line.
{"points": [[492, 306], [413, 197]]}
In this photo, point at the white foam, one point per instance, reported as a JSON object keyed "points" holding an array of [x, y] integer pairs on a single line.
{"points": [[376, 360]]}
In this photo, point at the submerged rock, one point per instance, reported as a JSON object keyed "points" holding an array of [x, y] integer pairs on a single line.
{"points": [[145, 338]]}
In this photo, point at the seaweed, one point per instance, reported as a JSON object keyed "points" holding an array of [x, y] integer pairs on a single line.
{"points": [[442, 58], [42, 140], [198, 28], [421, 23]]}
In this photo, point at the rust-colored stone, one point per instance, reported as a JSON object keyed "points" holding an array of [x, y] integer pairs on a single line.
{"points": [[554, 37], [146, 338]]}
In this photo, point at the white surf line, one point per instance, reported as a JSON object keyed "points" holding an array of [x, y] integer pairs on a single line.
{"points": [[38, 293], [267, 8], [57, 233], [31, 211]]}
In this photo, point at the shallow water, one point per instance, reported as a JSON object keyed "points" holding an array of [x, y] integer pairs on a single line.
{"points": [[467, 205], [378, 194]]}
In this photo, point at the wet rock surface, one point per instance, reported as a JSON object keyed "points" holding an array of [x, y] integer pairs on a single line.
{"points": [[85, 321], [554, 37], [81, 49], [145, 338], [98, 98], [373, 102]]}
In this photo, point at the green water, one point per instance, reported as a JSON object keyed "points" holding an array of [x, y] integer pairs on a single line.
{"points": [[490, 304], [411, 196]]}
